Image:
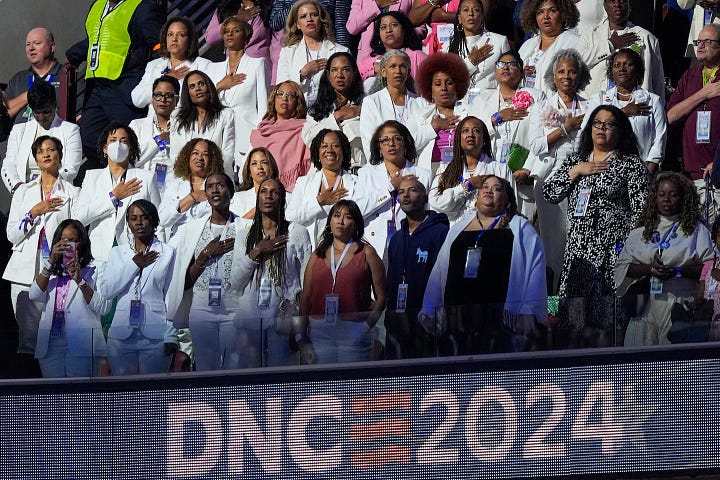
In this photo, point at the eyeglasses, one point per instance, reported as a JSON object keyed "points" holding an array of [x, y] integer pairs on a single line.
{"points": [[396, 139], [706, 41], [512, 64], [600, 125], [288, 95], [164, 96]]}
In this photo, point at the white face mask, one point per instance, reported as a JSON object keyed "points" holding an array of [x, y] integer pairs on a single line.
{"points": [[118, 152]]}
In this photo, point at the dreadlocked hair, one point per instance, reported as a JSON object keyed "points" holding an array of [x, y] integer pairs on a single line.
{"points": [[689, 205], [275, 263], [458, 43]]}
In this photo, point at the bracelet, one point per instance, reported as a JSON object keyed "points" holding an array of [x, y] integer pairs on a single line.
{"points": [[678, 272], [45, 272], [498, 119], [564, 131], [468, 186], [116, 203], [433, 4], [193, 198]]}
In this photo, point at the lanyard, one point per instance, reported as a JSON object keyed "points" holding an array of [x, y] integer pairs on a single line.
{"points": [[705, 76], [48, 77], [393, 196], [338, 180], [402, 118], [223, 235], [669, 235], [333, 267], [482, 232], [52, 192], [61, 292], [121, 179], [573, 108]]}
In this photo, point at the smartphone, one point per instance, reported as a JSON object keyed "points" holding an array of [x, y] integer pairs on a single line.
{"points": [[70, 252]]}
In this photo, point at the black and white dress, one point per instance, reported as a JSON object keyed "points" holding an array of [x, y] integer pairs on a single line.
{"points": [[594, 240]]}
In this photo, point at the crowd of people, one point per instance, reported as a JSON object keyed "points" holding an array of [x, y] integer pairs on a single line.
{"points": [[387, 179]]}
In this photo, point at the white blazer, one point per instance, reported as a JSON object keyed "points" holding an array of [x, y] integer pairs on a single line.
{"points": [[22, 136], [597, 39], [527, 291], [187, 238], [95, 209], [244, 201], [222, 132], [22, 265], [376, 202], [142, 93], [117, 279], [304, 209], [350, 127], [455, 201], [530, 49], [482, 75], [650, 130], [170, 219], [293, 59], [423, 132], [83, 330], [150, 154], [378, 108], [248, 100]]}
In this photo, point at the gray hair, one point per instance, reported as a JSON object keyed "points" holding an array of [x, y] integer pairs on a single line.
{"points": [[716, 26], [568, 54], [380, 82], [394, 53]]}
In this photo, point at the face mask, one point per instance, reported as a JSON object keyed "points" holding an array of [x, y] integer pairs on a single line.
{"points": [[118, 152]]}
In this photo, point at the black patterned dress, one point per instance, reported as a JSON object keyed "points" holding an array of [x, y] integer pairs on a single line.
{"points": [[595, 240]]}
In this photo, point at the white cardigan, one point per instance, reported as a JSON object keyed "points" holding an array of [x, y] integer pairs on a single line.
{"points": [[530, 48], [222, 132], [96, 210], [83, 330], [22, 265], [118, 277], [19, 150], [142, 93], [294, 58], [527, 291], [247, 100], [304, 209]]}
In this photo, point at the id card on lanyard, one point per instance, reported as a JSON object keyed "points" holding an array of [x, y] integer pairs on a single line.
{"points": [[215, 282], [265, 290], [332, 300], [474, 254], [137, 309], [61, 294]]}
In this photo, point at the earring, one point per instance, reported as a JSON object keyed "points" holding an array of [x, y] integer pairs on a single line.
{"points": [[459, 28]]}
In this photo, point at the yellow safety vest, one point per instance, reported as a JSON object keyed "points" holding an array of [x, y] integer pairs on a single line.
{"points": [[111, 35]]}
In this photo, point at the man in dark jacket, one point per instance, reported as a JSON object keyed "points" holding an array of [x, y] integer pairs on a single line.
{"points": [[411, 253]]}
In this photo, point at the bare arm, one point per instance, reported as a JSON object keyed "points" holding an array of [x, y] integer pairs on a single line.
{"points": [[377, 270]]}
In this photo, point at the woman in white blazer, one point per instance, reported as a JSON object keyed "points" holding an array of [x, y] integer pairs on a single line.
{"points": [[260, 165], [267, 271], [201, 115], [153, 131], [478, 47], [308, 45], [644, 109], [392, 159], [337, 107], [330, 181], [551, 23], [394, 102], [36, 210], [203, 290], [106, 193], [70, 337], [137, 277], [241, 81], [185, 197], [179, 55], [455, 186], [442, 80], [19, 165]]}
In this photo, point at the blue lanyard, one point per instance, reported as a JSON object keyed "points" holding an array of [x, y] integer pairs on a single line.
{"points": [[482, 232], [31, 80], [665, 243]]}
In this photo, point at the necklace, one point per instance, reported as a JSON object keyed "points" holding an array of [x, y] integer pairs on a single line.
{"points": [[160, 128]]}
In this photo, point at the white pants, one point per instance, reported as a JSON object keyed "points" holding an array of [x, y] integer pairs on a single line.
{"points": [[27, 316], [214, 340], [137, 354], [58, 362]]}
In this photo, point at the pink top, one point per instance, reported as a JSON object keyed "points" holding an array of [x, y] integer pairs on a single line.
{"points": [[360, 22], [259, 44], [367, 70], [432, 40]]}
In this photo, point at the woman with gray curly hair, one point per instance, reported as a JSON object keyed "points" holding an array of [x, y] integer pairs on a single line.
{"points": [[644, 109], [556, 127]]}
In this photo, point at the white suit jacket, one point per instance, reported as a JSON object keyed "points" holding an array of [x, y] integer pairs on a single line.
{"points": [[567, 39], [96, 210], [350, 127], [527, 291], [22, 136], [21, 267], [222, 132], [142, 93], [248, 100], [424, 134], [293, 59], [117, 279], [482, 75], [244, 201], [598, 41], [378, 108], [83, 330], [187, 238], [376, 201], [170, 219], [304, 209], [150, 153]]}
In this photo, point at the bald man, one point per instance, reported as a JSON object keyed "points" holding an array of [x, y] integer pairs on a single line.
{"points": [[411, 256], [40, 52]]}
